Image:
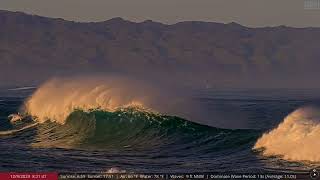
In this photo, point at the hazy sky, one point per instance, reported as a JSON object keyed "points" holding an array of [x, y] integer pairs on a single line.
{"points": [[245, 12]]}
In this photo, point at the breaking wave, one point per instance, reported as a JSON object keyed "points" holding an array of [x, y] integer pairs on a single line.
{"points": [[296, 138], [112, 113], [124, 128], [58, 98], [134, 128]]}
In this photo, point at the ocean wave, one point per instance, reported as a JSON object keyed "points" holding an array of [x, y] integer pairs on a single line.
{"points": [[134, 128], [296, 138], [127, 127], [120, 113], [59, 97]]}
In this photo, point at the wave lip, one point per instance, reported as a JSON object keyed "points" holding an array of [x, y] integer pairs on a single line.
{"points": [[296, 138], [58, 98]]}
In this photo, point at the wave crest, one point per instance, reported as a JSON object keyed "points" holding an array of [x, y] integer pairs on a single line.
{"points": [[296, 138], [58, 98]]}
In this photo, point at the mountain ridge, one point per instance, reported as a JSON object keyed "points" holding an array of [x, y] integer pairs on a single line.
{"points": [[34, 46]]}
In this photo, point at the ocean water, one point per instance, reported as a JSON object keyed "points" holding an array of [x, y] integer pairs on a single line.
{"points": [[133, 139]]}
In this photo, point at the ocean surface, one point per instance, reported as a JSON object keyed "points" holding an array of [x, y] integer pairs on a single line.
{"points": [[131, 139]]}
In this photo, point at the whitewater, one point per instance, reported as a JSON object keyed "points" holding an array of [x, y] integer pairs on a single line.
{"points": [[58, 98], [296, 138]]}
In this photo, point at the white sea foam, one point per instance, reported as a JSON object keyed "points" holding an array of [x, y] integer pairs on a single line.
{"points": [[15, 117], [296, 138], [115, 170], [59, 97]]}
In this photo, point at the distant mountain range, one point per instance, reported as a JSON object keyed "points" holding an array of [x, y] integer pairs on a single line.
{"points": [[33, 48]]}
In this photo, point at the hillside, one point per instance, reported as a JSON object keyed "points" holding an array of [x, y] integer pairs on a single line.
{"points": [[33, 48]]}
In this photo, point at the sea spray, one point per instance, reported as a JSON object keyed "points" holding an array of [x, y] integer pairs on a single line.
{"points": [[57, 98], [296, 138]]}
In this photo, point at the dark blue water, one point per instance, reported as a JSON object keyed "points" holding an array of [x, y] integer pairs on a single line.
{"points": [[142, 142]]}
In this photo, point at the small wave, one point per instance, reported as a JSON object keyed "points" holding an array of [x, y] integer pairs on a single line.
{"points": [[14, 131], [22, 88], [296, 138], [115, 170]]}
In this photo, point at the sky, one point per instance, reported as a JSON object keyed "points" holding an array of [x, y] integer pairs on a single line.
{"points": [[252, 13]]}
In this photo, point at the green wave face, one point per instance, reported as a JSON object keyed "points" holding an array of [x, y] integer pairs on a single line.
{"points": [[131, 128]]}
